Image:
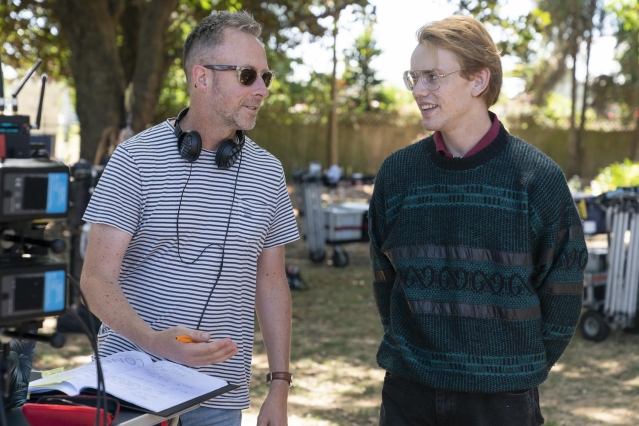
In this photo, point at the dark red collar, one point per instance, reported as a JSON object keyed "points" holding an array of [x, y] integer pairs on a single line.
{"points": [[483, 142]]}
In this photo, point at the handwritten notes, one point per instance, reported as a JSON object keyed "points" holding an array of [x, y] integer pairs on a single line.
{"points": [[73, 381], [162, 385], [134, 377]]}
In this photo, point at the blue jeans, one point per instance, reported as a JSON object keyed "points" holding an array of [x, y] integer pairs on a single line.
{"points": [[407, 403], [204, 416]]}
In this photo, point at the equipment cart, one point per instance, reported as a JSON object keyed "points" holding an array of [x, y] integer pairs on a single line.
{"points": [[611, 278], [334, 224], [308, 195], [345, 223]]}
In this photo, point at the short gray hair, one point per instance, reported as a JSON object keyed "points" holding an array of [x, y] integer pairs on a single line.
{"points": [[209, 33]]}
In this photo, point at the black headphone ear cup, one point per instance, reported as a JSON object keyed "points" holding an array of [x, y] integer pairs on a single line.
{"points": [[190, 145], [227, 153]]}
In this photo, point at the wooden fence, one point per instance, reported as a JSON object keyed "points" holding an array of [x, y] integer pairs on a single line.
{"points": [[363, 147]]}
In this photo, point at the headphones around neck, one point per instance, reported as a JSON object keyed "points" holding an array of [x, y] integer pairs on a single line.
{"points": [[189, 145]]}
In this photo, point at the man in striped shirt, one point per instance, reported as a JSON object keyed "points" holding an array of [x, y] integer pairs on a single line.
{"points": [[189, 221]]}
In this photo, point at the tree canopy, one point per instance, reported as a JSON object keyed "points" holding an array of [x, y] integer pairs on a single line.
{"points": [[550, 42], [124, 55]]}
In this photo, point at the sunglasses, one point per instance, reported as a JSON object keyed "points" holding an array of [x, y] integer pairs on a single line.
{"points": [[245, 75]]}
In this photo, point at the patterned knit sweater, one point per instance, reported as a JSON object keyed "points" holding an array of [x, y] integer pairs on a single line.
{"points": [[478, 265]]}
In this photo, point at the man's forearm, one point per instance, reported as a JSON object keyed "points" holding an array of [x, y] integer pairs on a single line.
{"points": [[273, 305], [274, 314], [108, 302], [100, 286]]}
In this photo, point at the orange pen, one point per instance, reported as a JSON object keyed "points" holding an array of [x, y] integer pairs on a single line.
{"points": [[184, 339]]}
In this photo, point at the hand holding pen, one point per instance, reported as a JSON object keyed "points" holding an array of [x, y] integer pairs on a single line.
{"points": [[184, 338], [203, 352]]}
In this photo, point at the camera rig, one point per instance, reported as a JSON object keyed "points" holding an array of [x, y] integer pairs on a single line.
{"points": [[34, 191]]}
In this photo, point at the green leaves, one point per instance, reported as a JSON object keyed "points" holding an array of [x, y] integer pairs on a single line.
{"points": [[624, 174], [359, 76], [627, 12], [31, 33]]}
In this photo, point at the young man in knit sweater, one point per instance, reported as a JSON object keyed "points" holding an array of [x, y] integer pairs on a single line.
{"points": [[477, 249]]}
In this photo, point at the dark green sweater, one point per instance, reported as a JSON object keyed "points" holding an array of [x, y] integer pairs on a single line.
{"points": [[478, 265]]}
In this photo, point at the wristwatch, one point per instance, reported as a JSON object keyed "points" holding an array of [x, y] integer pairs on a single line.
{"points": [[280, 376]]}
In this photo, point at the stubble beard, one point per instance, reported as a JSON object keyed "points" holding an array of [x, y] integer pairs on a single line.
{"points": [[231, 119], [237, 121]]}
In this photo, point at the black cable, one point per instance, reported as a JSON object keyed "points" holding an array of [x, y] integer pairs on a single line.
{"points": [[3, 415], [226, 233], [93, 338], [177, 223], [101, 386]]}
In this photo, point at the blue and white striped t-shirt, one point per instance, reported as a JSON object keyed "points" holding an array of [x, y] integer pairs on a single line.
{"points": [[139, 193]]}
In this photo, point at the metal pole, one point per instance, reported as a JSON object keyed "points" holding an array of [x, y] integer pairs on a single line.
{"points": [[622, 308], [620, 280], [611, 223], [617, 243], [612, 258], [633, 281]]}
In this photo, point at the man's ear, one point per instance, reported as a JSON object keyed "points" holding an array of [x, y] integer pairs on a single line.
{"points": [[480, 82], [198, 77]]}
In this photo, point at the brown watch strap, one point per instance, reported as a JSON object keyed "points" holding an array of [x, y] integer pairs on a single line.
{"points": [[279, 376]]}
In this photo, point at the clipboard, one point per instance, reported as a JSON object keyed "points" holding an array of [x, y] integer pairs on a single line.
{"points": [[170, 412]]}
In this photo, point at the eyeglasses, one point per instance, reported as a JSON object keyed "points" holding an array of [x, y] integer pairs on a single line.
{"points": [[430, 78], [245, 75]]}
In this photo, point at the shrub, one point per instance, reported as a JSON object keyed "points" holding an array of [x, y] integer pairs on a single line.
{"points": [[616, 175]]}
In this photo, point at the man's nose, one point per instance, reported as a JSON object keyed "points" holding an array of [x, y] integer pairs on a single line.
{"points": [[259, 88]]}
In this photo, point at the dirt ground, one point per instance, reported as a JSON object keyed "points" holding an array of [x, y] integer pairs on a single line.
{"points": [[336, 332]]}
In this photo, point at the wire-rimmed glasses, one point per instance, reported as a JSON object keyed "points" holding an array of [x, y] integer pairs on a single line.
{"points": [[430, 78]]}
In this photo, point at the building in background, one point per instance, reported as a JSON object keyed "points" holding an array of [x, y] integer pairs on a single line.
{"points": [[59, 124]]}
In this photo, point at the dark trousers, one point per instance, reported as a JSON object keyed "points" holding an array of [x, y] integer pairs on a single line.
{"points": [[406, 403]]}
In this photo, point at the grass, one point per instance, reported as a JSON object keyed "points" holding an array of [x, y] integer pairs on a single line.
{"points": [[336, 332]]}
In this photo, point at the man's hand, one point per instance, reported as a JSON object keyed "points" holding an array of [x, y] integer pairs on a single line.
{"points": [[273, 411], [200, 353]]}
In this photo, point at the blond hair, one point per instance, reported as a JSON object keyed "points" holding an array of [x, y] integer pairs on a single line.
{"points": [[473, 46]]}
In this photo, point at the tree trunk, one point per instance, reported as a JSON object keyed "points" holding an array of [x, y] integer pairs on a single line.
{"points": [[152, 63], [333, 144], [573, 142], [102, 70], [636, 132], [588, 17], [130, 25], [90, 30], [635, 48]]}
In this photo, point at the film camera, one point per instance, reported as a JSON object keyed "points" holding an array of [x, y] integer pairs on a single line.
{"points": [[34, 192]]}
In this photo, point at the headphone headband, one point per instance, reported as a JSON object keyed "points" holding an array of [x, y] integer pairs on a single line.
{"points": [[189, 145], [176, 126]]}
